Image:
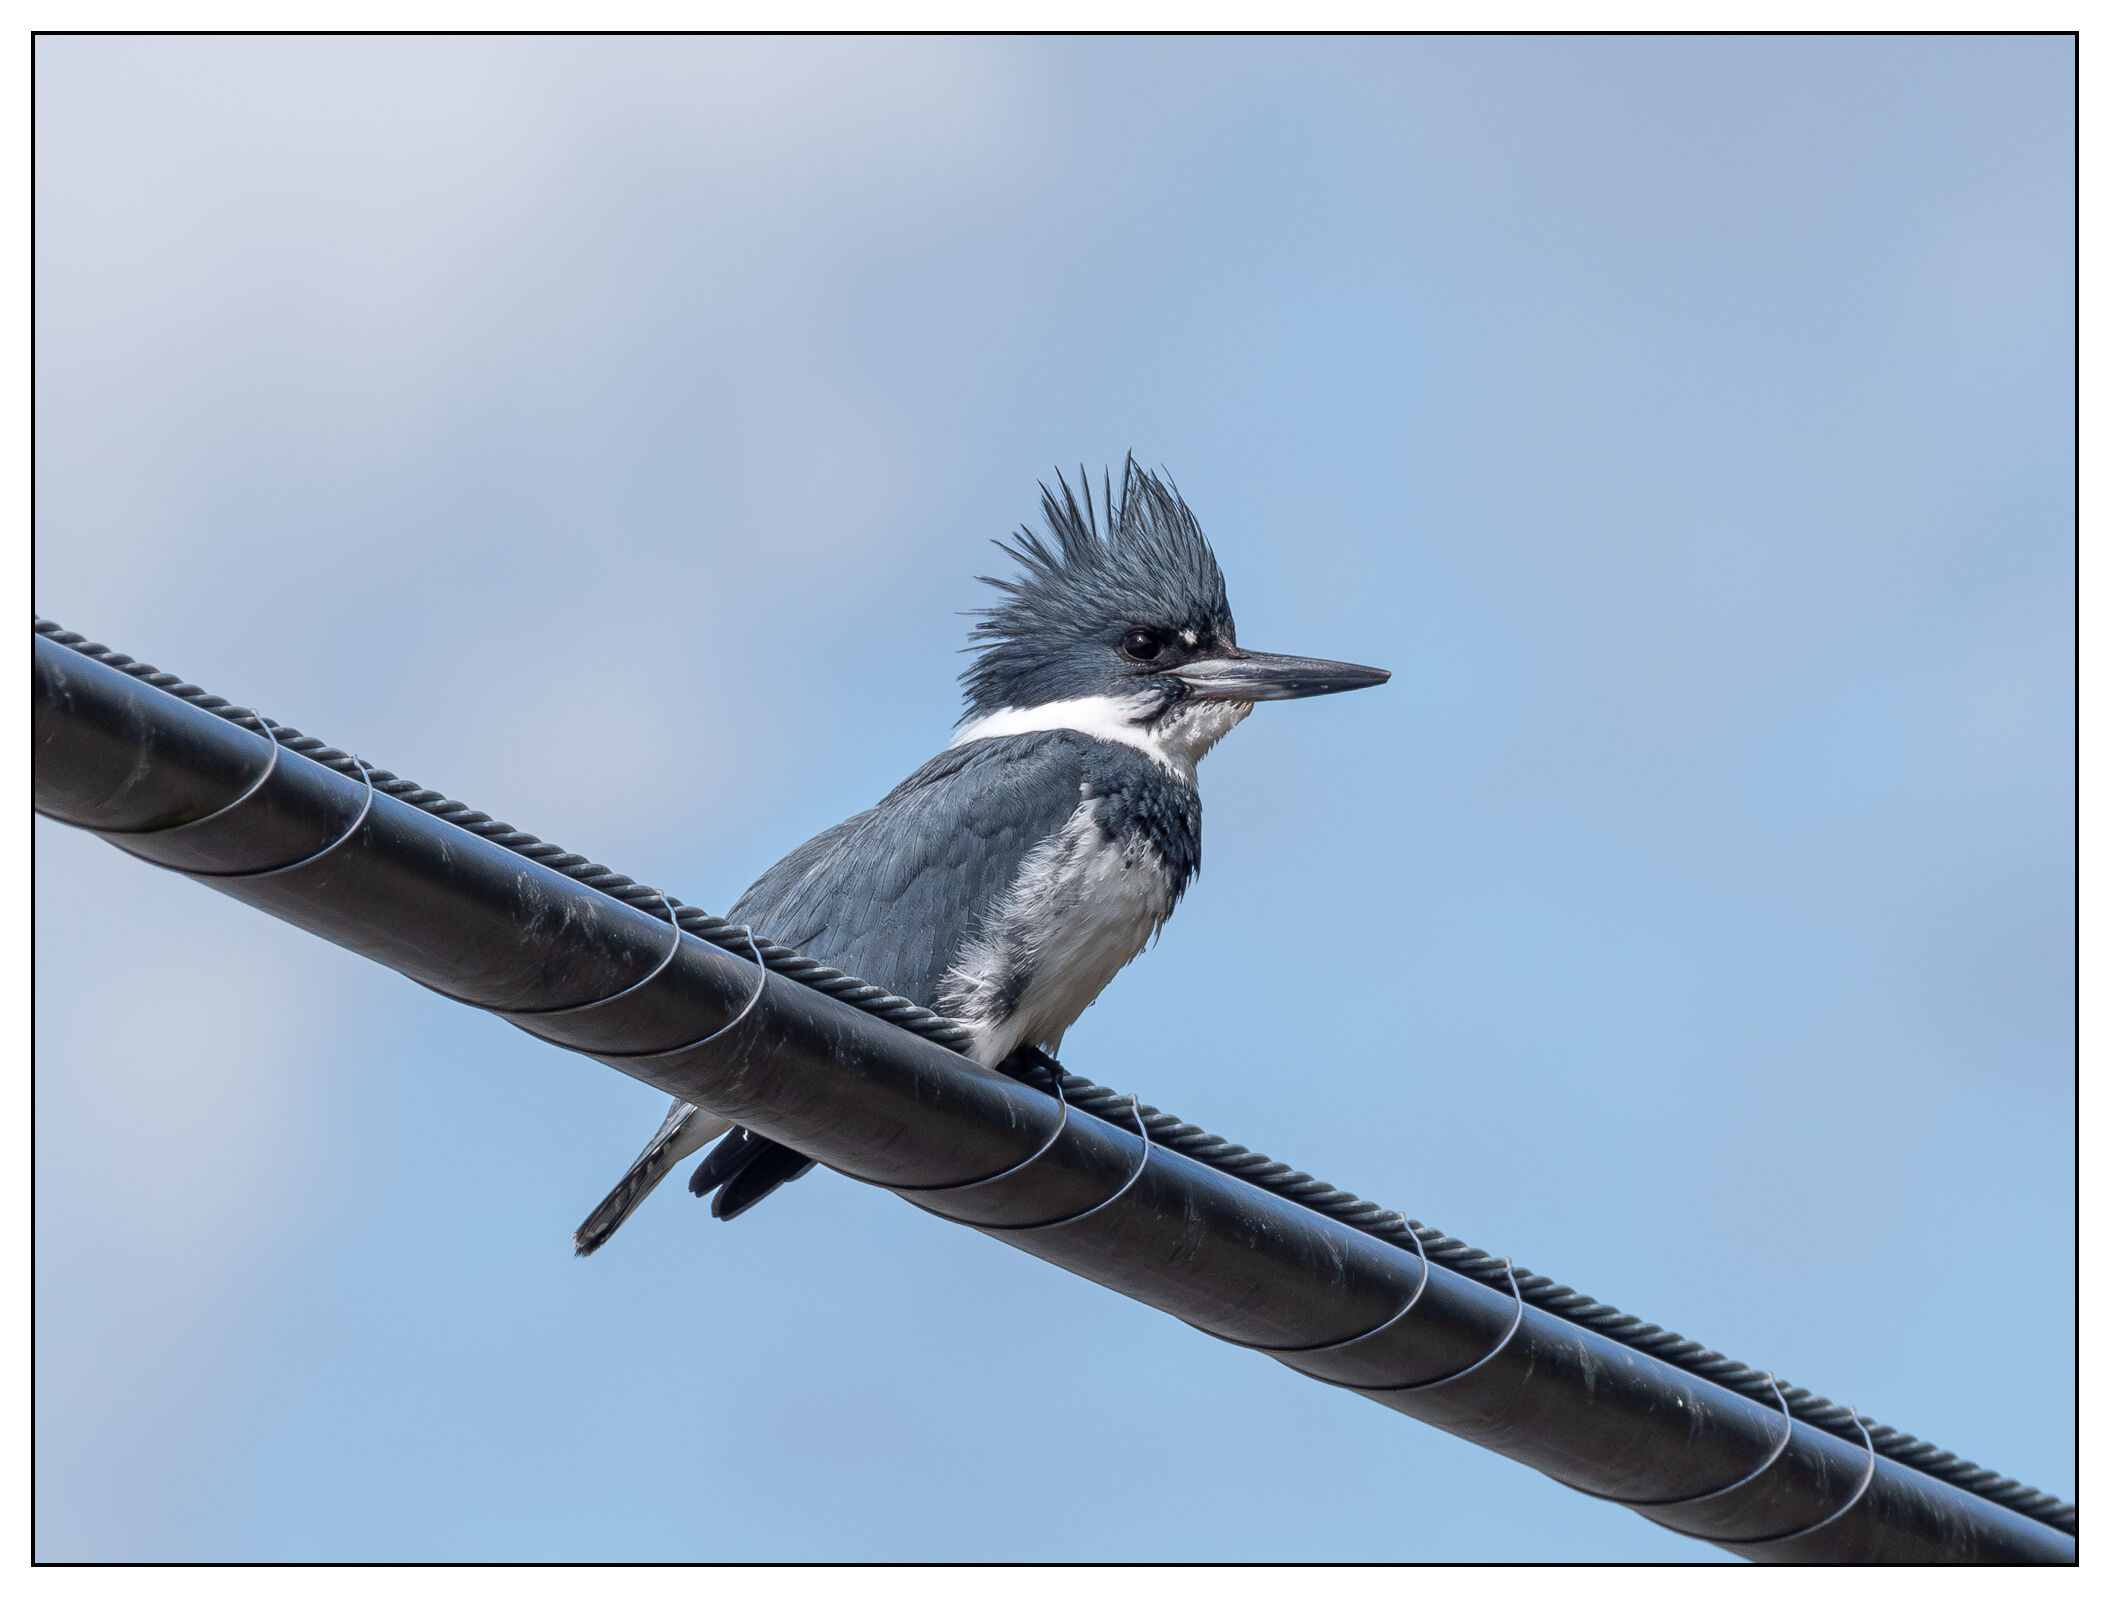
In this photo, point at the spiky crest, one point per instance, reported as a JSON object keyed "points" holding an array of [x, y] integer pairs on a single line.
{"points": [[1082, 588]]}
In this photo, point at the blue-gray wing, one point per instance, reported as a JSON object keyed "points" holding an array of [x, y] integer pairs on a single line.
{"points": [[890, 895]]}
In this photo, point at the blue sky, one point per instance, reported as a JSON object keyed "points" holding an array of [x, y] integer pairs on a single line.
{"points": [[608, 432]]}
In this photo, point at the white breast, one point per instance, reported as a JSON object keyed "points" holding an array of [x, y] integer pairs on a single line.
{"points": [[1083, 906]]}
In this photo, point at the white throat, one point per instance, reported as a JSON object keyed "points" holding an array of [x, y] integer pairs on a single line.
{"points": [[1176, 740]]}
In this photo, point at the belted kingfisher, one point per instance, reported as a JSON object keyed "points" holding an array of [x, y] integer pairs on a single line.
{"points": [[1008, 880]]}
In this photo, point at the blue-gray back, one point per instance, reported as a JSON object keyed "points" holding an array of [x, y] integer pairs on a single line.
{"points": [[891, 894]]}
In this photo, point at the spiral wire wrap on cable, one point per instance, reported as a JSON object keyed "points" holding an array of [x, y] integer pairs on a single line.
{"points": [[1161, 1128]]}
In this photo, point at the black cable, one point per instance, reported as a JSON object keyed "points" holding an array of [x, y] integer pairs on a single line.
{"points": [[1164, 1129]]}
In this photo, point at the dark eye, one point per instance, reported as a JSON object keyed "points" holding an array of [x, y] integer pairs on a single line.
{"points": [[1142, 644]]}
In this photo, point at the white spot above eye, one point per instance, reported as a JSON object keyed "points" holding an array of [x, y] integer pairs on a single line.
{"points": [[1191, 639]]}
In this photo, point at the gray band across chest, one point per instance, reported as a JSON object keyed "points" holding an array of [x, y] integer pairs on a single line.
{"points": [[1006, 882]]}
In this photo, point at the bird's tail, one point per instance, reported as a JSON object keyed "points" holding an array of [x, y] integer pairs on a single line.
{"points": [[744, 1170], [685, 1130]]}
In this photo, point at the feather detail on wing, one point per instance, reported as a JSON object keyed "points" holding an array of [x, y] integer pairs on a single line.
{"points": [[891, 895]]}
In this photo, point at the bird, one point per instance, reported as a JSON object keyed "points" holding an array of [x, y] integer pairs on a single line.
{"points": [[1010, 878]]}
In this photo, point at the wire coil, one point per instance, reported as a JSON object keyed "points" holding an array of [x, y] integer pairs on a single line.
{"points": [[1158, 1127]]}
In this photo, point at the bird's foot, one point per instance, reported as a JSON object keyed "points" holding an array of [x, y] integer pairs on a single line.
{"points": [[1032, 1067]]}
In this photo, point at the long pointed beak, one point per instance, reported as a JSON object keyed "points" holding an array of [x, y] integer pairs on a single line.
{"points": [[1243, 674]]}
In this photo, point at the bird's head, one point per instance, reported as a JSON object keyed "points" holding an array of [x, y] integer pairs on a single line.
{"points": [[1125, 631]]}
